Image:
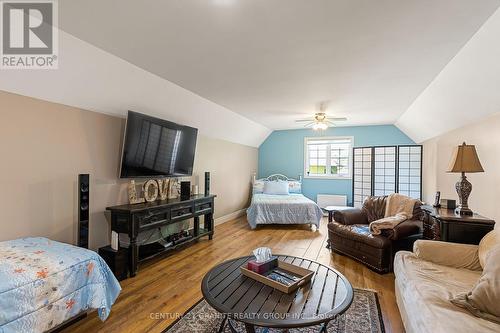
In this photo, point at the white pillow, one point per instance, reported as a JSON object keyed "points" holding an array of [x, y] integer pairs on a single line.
{"points": [[258, 186], [294, 186], [488, 242], [280, 188], [484, 298]]}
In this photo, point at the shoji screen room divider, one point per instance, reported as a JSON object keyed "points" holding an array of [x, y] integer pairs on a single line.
{"points": [[383, 170]]}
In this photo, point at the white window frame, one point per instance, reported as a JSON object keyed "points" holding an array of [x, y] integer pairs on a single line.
{"points": [[328, 157]]}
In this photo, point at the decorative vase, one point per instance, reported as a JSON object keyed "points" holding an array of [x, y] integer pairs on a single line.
{"points": [[464, 188]]}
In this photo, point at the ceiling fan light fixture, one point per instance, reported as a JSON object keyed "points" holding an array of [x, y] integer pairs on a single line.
{"points": [[320, 121], [319, 126], [320, 116]]}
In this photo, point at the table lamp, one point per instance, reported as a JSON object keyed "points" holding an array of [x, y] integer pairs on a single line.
{"points": [[464, 160]]}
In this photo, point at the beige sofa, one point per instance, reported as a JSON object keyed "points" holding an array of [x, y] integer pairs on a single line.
{"points": [[425, 281]]}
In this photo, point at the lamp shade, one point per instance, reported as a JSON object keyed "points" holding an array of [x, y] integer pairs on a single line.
{"points": [[465, 159]]}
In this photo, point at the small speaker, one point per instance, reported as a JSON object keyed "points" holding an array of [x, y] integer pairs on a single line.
{"points": [[117, 261], [185, 190], [448, 203], [83, 210], [207, 183]]}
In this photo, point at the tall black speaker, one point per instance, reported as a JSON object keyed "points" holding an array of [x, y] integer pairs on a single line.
{"points": [[207, 183], [185, 190], [83, 210]]}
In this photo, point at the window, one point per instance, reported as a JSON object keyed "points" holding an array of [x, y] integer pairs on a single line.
{"points": [[328, 157]]}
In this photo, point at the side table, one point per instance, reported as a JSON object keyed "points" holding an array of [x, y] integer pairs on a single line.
{"points": [[332, 209], [445, 225]]}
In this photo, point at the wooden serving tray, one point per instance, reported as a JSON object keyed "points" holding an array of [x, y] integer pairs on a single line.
{"points": [[305, 275]]}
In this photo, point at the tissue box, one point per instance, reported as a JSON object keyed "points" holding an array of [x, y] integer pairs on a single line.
{"points": [[262, 267]]}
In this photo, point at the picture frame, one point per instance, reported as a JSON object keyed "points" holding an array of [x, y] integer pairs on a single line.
{"points": [[437, 200]]}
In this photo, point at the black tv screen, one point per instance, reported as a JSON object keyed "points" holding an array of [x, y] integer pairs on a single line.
{"points": [[156, 147]]}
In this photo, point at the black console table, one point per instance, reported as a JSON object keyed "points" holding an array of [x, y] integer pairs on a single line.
{"points": [[132, 219]]}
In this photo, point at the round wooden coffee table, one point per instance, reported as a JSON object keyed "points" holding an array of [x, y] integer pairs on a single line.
{"points": [[243, 299]]}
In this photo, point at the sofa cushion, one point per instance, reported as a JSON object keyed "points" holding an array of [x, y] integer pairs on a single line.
{"points": [[359, 233], [484, 299], [454, 255], [487, 243], [356, 242], [374, 207], [425, 289]]}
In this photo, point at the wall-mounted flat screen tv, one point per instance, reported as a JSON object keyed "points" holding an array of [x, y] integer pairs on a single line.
{"points": [[156, 147]]}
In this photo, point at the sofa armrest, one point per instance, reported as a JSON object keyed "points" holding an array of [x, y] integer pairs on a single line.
{"points": [[404, 229], [448, 254], [350, 216]]}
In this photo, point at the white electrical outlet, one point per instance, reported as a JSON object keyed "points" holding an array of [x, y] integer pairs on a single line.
{"points": [[114, 240]]}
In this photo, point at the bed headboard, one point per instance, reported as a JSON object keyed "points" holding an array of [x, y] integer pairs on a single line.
{"points": [[276, 177]]}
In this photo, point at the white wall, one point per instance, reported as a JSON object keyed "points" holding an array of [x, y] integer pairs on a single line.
{"points": [[231, 167], [485, 196], [44, 146]]}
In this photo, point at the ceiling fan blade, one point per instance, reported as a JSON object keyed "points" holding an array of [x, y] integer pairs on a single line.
{"points": [[310, 124], [337, 119], [303, 120]]}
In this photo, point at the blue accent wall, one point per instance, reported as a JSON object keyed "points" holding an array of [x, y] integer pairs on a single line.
{"points": [[283, 152]]}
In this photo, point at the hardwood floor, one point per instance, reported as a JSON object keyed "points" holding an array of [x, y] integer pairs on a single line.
{"points": [[167, 287]]}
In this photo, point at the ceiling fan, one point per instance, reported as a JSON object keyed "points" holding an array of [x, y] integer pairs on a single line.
{"points": [[321, 121]]}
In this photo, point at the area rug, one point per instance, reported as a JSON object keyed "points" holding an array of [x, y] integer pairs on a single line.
{"points": [[363, 316]]}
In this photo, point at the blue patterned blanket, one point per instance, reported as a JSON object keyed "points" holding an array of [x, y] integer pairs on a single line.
{"points": [[43, 283], [283, 209]]}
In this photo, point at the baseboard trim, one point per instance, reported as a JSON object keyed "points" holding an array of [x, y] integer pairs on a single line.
{"points": [[229, 217]]}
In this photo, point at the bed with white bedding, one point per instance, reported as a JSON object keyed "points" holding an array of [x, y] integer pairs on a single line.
{"points": [[284, 208]]}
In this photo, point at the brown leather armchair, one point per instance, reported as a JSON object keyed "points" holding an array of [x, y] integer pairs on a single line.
{"points": [[349, 234]]}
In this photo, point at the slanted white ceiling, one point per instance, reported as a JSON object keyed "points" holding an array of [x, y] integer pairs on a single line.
{"points": [[272, 61], [92, 79], [466, 90]]}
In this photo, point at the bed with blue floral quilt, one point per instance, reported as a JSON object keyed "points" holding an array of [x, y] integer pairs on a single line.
{"points": [[281, 206], [43, 283]]}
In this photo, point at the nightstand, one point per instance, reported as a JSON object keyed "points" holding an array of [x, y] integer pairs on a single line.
{"points": [[445, 225], [333, 209]]}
